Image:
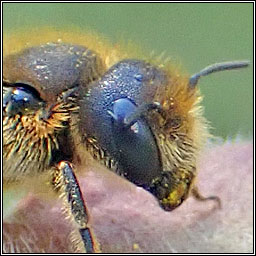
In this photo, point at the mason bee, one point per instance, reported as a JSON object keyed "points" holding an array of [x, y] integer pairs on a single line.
{"points": [[71, 98]]}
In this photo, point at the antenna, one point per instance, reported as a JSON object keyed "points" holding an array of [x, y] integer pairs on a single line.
{"points": [[216, 68]]}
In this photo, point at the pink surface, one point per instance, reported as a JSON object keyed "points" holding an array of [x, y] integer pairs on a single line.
{"points": [[128, 219]]}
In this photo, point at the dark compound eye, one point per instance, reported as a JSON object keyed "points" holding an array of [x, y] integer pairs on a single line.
{"points": [[20, 98]]}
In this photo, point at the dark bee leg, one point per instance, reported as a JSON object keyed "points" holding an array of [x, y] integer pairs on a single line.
{"points": [[65, 180], [197, 195]]}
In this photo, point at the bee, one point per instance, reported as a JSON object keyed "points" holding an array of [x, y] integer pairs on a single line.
{"points": [[70, 98]]}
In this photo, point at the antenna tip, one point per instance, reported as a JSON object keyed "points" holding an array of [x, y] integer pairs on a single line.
{"points": [[216, 68]]}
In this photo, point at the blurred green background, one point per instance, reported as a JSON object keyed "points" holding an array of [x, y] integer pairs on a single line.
{"points": [[194, 34]]}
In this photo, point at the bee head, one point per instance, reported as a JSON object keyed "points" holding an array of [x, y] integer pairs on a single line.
{"points": [[113, 117]]}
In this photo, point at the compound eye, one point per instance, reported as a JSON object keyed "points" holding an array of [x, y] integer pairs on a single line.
{"points": [[20, 99]]}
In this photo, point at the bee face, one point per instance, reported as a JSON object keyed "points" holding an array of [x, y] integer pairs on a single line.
{"points": [[120, 92], [140, 119]]}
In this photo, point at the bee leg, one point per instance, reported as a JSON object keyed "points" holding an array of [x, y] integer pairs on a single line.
{"points": [[65, 180], [198, 196]]}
